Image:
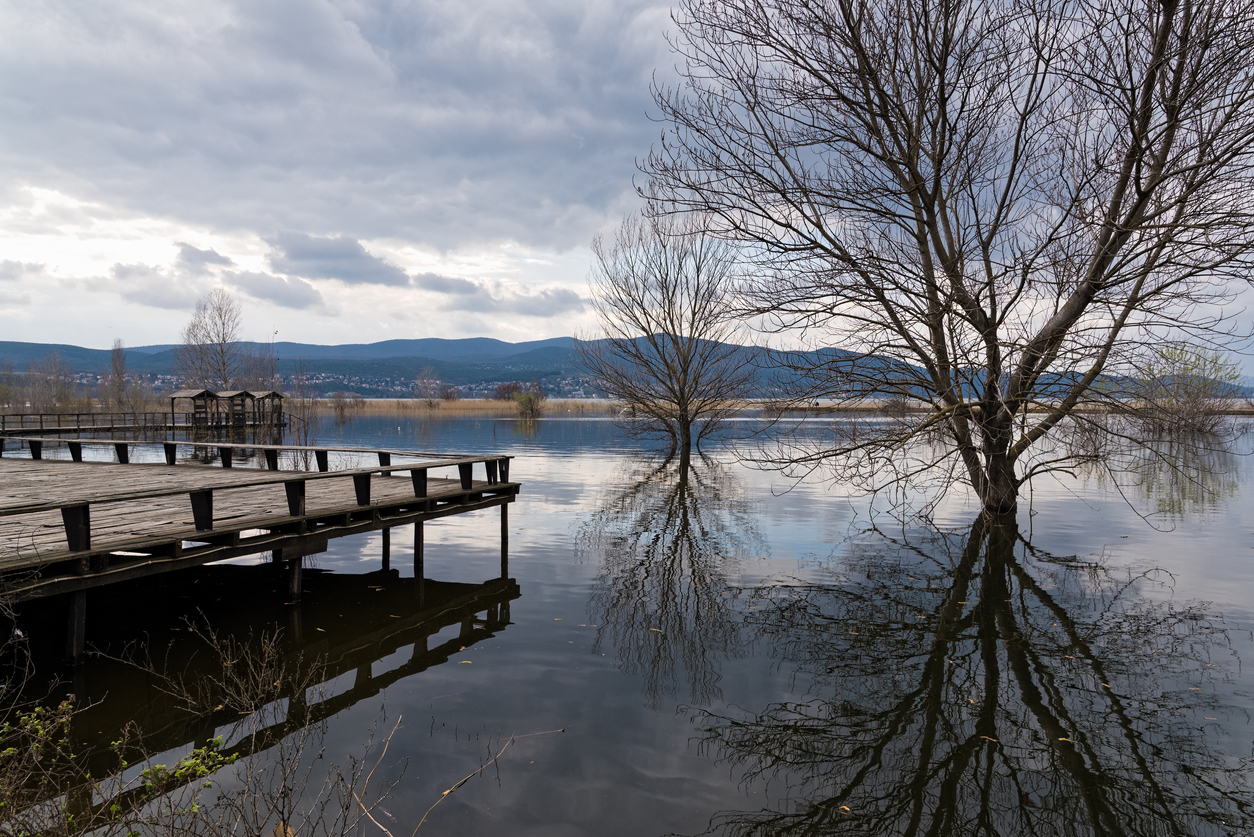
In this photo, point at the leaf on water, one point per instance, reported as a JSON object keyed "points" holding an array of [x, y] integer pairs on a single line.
{"points": [[986, 738], [1208, 718], [659, 630], [463, 662], [1068, 740], [320, 629]]}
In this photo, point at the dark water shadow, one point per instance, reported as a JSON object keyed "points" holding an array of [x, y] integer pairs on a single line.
{"points": [[188, 667], [970, 684], [667, 547]]}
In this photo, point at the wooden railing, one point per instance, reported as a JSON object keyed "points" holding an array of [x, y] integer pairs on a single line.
{"points": [[53, 422]]}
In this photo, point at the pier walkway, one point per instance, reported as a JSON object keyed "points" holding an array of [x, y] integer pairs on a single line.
{"points": [[68, 524]]}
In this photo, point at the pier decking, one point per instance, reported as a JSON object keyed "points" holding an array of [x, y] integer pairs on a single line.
{"points": [[67, 525]]}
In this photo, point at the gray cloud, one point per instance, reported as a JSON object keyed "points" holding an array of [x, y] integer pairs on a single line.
{"points": [[11, 271], [342, 258], [442, 124], [446, 284], [147, 285], [291, 292], [194, 260], [475, 297]]}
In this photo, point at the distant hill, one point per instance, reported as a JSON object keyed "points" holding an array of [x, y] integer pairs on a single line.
{"points": [[384, 368], [468, 349], [474, 364]]}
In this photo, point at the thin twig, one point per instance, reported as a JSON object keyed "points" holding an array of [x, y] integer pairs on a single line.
{"points": [[482, 767], [386, 742]]}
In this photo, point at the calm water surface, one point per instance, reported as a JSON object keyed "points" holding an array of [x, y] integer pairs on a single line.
{"points": [[732, 653]]}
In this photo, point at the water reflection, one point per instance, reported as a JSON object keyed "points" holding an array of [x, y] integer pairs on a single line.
{"points": [[978, 686], [351, 637], [1186, 472], [666, 545]]}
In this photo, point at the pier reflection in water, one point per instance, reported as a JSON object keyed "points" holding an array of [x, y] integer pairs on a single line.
{"points": [[972, 684], [224, 645]]}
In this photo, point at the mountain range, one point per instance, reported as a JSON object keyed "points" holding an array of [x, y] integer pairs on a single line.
{"points": [[384, 368]]}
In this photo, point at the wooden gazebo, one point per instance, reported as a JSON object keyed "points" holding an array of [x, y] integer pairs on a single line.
{"points": [[203, 403]]}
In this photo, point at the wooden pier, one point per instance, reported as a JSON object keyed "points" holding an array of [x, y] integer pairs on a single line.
{"points": [[71, 524]]}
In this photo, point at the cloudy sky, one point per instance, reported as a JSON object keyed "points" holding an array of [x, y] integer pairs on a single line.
{"points": [[352, 170]]}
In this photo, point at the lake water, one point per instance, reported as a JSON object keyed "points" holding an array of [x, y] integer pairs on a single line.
{"points": [[736, 653]]}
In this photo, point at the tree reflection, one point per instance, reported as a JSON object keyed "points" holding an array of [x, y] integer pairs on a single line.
{"points": [[988, 688], [662, 600]]}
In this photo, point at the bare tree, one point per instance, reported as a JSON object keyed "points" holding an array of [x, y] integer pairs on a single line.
{"points": [[987, 205], [427, 387], [662, 293], [115, 396], [210, 354]]}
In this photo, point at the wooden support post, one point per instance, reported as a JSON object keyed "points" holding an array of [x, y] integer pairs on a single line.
{"points": [[361, 487], [272, 460], [321, 456], [362, 679], [77, 520], [76, 633], [387, 549], [420, 571], [202, 510], [419, 476], [124, 452], [76, 451], [464, 471], [36, 449], [293, 579], [505, 541], [295, 497], [385, 459], [298, 704], [492, 471], [504, 467], [171, 453], [227, 455]]}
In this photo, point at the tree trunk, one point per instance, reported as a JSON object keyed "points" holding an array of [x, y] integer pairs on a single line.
{"points": [[1000, 490], [685, 445]]}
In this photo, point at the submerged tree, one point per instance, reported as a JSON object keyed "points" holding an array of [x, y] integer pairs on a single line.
{"points": [[987, 204], [662, 293]]}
